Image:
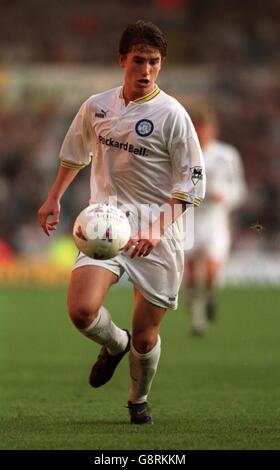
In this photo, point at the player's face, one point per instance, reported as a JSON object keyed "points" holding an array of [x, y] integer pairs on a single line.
{"points": [[141, 65]]}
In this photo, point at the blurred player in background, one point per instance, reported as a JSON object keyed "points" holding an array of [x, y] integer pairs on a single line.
{"points": [[226, 190], [144, 150]]}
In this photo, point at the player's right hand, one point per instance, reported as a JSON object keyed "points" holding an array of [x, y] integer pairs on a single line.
{"points": [[51, 207]]}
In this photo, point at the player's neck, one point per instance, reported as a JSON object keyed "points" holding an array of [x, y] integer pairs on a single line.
{"points": [[134, 95]]}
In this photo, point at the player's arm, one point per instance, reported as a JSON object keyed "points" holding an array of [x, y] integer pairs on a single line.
{"points": [[75, 154], [48, 214]]}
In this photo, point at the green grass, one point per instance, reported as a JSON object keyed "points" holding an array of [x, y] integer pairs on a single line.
{"points": [[219, 392]]}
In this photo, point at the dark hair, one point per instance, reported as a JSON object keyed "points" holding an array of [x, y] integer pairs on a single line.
{"points": [[142, 32]]}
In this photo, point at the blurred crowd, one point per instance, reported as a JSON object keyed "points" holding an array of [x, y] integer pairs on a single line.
{"points": [[220, 31], [239, 38]]}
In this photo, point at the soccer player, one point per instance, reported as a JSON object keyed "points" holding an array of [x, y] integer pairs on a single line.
{"points": [[144, 150], [226, 190]]}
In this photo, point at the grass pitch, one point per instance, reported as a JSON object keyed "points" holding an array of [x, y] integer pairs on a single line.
{"points": [[219, 392]]}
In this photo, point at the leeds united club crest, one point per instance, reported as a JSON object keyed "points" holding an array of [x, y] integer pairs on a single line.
{"points": [[144, 128]]}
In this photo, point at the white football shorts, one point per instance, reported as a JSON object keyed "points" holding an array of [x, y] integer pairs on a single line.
{"points": [[157, 276], [211, 241]]}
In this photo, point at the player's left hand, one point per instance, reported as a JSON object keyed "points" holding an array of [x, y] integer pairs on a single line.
{"points": [[142, 243]]}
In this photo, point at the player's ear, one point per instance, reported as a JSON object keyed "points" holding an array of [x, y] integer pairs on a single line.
{"points": [[162, 61], [122, 60]]}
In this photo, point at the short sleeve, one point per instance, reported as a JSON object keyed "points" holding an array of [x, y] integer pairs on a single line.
{"points": [[76, 150], [188, 170]]}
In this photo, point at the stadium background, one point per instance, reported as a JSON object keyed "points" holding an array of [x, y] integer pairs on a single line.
{"points": [[55, 54]]}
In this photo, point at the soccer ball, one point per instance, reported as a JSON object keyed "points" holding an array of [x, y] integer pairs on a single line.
{"points": [[101, 231]]}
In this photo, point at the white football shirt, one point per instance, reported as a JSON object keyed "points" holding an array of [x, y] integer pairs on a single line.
{"points": [[224, 172], [225, 176], [142, 153]]}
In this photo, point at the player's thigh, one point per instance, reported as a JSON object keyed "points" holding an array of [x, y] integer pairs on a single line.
{"points": [[190, 272], [212, 268], [88, 287], [196, 267]]}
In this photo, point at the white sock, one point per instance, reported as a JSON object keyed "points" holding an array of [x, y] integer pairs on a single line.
{"points": [[104, 331], [197, 305], [142, 371]]}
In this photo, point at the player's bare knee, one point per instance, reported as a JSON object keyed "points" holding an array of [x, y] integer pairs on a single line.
{"points": [[82, 314], [143, 345]]}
